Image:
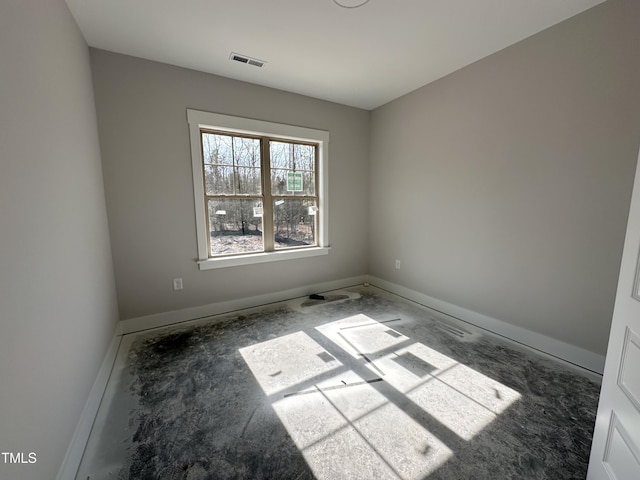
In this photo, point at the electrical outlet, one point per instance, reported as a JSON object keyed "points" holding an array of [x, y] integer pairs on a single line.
{"points": [[397, 264], [177, 283]]}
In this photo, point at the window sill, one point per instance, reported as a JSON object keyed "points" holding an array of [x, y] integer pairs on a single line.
{"points": [[253, 258]]}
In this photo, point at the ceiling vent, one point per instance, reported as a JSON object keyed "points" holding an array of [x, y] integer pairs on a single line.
{"points": [[245, 59]]}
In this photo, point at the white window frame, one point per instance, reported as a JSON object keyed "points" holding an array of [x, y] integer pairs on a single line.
{"points": [[214, 121]]}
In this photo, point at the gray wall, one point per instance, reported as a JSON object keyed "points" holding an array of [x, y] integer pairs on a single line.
{"points": [[146, 157], [57, 296], [504, 187]]}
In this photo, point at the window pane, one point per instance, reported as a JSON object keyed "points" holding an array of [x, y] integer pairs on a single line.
{"points": [[235, 226], [248, 180], [309, 183], [279, 152], [294, 156], [305, 157], [294, 222], [246, 152], [217, 149], [218, 180], [279, 181]]}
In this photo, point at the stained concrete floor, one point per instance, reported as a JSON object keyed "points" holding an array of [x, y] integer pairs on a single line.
{"points": [[361, 385]]}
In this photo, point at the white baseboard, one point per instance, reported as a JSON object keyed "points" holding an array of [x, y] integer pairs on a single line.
{"points": [[137, 324], [73, 457], [555, 348], [546, 345]]}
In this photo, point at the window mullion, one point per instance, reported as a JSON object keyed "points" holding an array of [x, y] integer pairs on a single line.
{"points": [[267, 202], [234, 170]]}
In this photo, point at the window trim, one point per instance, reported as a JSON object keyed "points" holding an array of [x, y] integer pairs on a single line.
{"points": [[198, 120]]}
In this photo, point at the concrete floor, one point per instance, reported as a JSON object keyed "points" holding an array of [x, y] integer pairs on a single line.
{"points": [[362, 385]]}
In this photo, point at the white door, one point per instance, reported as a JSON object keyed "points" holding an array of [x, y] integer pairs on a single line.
{"points": [[615, 453]]}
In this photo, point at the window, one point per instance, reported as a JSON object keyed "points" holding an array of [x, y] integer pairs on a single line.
{"points": [[259, 190]]}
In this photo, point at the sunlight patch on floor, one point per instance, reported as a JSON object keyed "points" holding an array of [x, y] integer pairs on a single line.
{"points": [[342, 421], [287, 361], [361, 433]]}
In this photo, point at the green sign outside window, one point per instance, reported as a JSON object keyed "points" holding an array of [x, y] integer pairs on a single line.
{"points": [[294, 181]]}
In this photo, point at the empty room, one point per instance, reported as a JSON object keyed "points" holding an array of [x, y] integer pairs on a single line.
{"points": [[321, 239]]}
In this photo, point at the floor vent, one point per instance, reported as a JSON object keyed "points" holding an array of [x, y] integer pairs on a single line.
{"points": [[457, 332]]}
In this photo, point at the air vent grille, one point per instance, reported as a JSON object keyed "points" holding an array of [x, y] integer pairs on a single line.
{"points": [[246, 59]]}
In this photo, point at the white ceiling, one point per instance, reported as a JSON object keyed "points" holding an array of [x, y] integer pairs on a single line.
{"points": [[363, 57]]}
